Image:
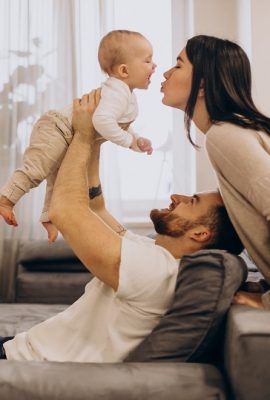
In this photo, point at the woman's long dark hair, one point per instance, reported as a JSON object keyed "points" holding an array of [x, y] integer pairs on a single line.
{"points": [[223, 68]]}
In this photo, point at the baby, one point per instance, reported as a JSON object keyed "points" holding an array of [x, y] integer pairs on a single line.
{"points": [[127, 58]]}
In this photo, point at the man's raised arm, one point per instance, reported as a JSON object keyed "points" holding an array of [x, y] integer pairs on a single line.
{"points": [[96, 244], [96, 199]]}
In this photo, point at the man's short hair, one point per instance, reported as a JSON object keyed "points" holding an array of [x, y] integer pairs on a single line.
{"points": [[224, 236]]}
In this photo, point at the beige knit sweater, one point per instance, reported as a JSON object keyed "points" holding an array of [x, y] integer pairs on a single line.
{"points": [[241, 160]]}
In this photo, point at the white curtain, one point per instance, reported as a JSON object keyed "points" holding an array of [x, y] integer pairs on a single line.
{"points": [[48, 57], [110, 164]]}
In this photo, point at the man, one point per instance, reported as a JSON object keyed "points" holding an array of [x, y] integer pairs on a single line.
{"points": [[135, 276]]}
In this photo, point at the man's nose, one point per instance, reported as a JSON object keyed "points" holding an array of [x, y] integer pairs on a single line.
{"points": [[179, 198]]}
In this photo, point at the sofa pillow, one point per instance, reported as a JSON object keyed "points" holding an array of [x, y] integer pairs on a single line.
{"points": [[39, 255], [40, 250], [193, 326]]}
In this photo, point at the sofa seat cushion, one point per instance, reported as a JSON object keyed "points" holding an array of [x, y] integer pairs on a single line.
{"points": [[192, 329], [134, 381], [16, 318], [26, 380]]}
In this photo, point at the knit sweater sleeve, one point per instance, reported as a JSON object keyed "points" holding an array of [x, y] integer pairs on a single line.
{"points": [[242, 157]]}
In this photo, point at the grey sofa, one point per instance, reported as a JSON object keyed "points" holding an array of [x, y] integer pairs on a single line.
{"points": [[37, 281]]}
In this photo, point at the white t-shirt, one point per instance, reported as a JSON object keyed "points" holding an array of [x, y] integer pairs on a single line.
{"points": [[104, 325]]}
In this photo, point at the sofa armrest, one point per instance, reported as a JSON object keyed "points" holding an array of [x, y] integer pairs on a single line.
{"points": [[247, 352], [134, 381]]}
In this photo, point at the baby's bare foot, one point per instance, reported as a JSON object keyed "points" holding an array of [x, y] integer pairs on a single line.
{"points": [[52, 231], [6, 211]]}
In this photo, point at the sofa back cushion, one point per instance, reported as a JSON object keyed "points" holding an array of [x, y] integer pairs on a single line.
{"points": [[39, 255], [192, 327]]}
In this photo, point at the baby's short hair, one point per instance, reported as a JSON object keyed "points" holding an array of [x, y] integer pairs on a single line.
{"points": [[114, 47]]}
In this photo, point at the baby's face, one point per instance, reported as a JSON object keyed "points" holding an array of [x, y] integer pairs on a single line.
{"points": [[140, 64]]}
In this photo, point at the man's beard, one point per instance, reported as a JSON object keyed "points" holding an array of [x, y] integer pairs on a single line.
{"points": [[169, 224]]}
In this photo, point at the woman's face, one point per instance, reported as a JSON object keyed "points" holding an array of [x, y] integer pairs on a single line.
{"points": [[177, 85]]}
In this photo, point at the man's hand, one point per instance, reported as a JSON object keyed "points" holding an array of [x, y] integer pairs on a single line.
{"points": [[83, 110]]}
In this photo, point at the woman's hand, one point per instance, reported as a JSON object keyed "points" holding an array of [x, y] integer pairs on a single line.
{"points": [[248, 299]]}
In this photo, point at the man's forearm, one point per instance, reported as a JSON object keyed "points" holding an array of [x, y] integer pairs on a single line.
{"points": [[96, 199], [71, 186], [85, 232]]}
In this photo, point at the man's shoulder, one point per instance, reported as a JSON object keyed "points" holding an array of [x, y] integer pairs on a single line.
{"points": [[139, 238], [145, 248]]}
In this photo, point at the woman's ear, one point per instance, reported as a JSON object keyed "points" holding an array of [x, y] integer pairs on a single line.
{"points": [[201, 89], [123, 70]]}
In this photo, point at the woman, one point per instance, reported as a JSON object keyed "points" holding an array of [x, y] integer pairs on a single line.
{"points": [[211, 83]]}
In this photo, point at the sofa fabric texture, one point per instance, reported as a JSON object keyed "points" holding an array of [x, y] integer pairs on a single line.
{"points": [[86, 381], [16, 317], [247, 353], [192, 329], [134, 381], [34, 271], [243, 376]]}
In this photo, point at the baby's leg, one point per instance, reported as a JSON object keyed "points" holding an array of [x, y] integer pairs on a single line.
{"points": [[6, 211], [52, 231], [49, 140]]}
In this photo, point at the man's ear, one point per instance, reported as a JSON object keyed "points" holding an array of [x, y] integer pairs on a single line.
{"points": [[122, 70], [200, 234], [201, 89]]}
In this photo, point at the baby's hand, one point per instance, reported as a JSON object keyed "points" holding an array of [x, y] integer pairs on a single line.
{"points": [[142, 144], [145, 145]]}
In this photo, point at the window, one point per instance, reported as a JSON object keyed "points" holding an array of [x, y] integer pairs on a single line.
{"points": [[49, 56], [146, 181]]}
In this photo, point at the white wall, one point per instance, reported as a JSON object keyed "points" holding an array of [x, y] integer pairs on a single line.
{"points": [[260, 53], [216, 18]]}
